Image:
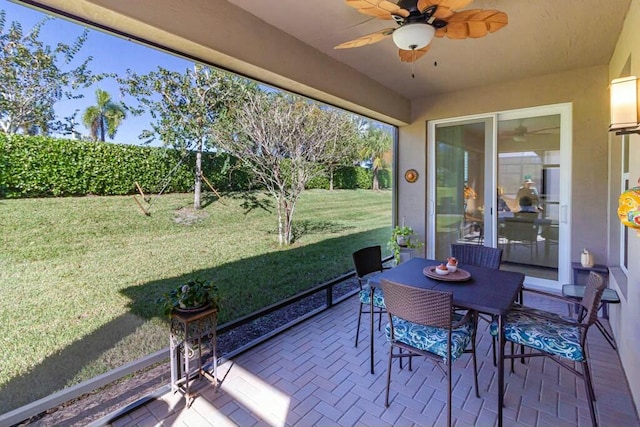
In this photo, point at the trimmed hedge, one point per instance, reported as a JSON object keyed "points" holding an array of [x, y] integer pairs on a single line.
{"points": [[351, 178], [36, 166]]}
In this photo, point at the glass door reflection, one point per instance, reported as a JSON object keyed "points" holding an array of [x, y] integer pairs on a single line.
{"points": [[459, 185], [528, 192]]}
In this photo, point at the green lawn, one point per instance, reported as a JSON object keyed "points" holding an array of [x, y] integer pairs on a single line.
{"points": [[79, 276]]}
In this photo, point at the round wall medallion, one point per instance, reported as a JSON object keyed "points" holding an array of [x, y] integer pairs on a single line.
{"points": [[411, 175]]}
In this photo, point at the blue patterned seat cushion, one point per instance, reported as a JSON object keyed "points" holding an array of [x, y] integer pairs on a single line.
{"points": [[378, 297], [547, 335], [428, 338]]}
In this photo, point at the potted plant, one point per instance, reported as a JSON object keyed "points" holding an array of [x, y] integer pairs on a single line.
{"points": [[402, 236], [195, 295]]}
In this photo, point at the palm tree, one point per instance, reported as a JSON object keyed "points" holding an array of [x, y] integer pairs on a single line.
{"points": [[103, 118], [376, 143]]}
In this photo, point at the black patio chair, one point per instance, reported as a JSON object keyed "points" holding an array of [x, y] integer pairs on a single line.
{"points": [[367, 262]]}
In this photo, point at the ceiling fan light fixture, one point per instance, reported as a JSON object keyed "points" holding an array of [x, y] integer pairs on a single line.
{"points": [[413, 36]]}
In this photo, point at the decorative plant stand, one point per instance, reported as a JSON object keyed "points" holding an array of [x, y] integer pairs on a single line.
{"points": [[190, 332]]}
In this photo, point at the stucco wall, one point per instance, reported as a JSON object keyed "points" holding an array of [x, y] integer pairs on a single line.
{"points": [[586, 89], [625, 317]]}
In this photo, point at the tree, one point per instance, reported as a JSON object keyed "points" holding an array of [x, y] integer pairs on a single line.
{"points": [[184, 107], [34, 76], [344, 150], [105, 117], [375, 144], [284, 140]]}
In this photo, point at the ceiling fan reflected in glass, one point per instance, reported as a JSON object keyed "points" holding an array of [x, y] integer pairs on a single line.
{"points": [[519, 130], [421, 20]]}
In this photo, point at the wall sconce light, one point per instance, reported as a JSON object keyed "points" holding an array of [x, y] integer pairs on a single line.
{"points": [[624, 106]]}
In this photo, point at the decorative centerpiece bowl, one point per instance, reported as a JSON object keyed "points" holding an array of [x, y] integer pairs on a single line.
{"points": [[442, 270], [452, 264]]}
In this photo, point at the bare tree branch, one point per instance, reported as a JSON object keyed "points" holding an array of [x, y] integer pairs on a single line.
{"points": [[285, 141]]}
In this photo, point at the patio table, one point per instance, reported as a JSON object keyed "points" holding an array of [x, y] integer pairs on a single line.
{"points": [[488, 291]]}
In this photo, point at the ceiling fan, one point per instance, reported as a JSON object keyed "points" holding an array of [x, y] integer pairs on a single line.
{"points": [[420, 20], [520, 132]]}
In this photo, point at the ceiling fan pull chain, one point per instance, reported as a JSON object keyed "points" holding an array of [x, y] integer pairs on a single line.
{"points": [[413, 61]]}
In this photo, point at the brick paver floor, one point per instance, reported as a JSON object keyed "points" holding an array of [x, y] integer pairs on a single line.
{"points": [[312, 375]]}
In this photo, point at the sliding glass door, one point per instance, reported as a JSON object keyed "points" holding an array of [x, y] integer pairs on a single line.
{"points": [[502, 180], [459, 185], [529, 166]]}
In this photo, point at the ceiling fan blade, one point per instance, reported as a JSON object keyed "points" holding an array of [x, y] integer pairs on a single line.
{"points": [[445, 9], [544, 131], [521, 131], [518, 131], [368, 39], [413, 55], [474, 23], [383, 9]]}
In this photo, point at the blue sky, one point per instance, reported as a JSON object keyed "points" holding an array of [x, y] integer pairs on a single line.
{"points": [[111, 54]]}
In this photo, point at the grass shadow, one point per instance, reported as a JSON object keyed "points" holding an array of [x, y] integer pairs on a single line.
{"points": [[252, 201], [55, 372], [245, 286], [255, 282], [306, 227], [207, 198]]}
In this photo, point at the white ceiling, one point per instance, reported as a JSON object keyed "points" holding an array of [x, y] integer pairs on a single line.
{"points": [[542, 37]]}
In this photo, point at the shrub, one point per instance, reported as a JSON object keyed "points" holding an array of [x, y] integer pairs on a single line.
{"points": [[37, 166], [319, 183]]}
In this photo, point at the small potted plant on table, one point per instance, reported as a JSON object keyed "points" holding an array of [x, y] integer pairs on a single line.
{"points": [[191, 297], [192, 308]]}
